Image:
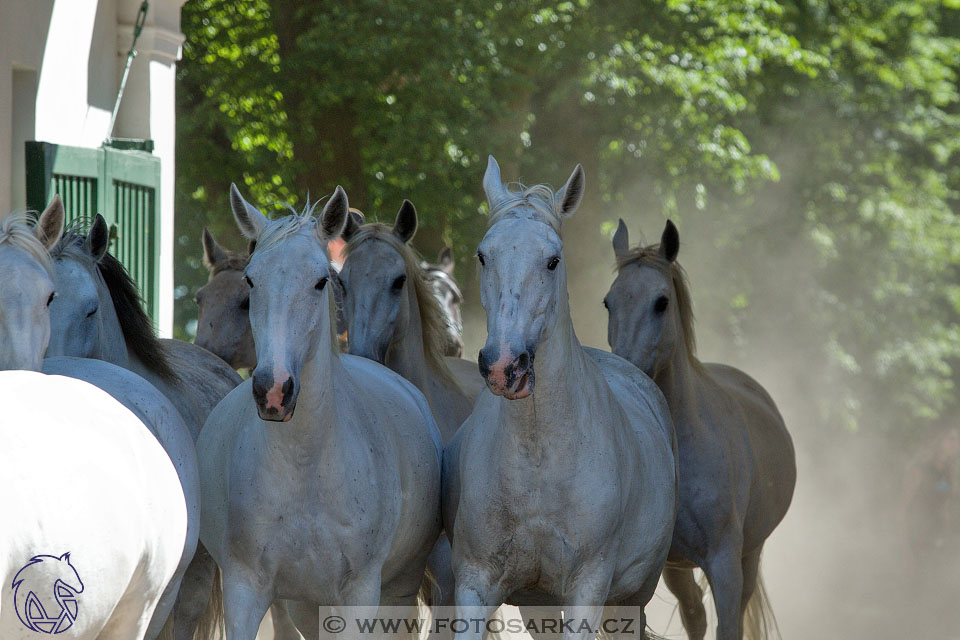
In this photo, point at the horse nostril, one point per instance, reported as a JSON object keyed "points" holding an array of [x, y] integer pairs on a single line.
{"points": [[484, 367], [523, 360]]}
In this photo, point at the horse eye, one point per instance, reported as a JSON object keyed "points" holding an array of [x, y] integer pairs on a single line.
{"points": [[480, 258], [245, 305], [399, 282], [50, 299], [554, 261], [321, 283], [93, 311], [661, 304], [606, 305], [249, 282]]}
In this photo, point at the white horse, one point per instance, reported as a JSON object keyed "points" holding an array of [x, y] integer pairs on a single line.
{"points": [[394, 317], [94, 515], [98, 313], [737, 464], [560, 488], [24, 319], [320, 473]]}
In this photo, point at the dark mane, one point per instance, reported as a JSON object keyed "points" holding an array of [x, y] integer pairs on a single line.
{"points": [[136, 325]]}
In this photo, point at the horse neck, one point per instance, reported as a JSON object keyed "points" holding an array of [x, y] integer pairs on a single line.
{"points": [[321, 371], [679, 380], [111, 345], [406, 354], [563, 383]]}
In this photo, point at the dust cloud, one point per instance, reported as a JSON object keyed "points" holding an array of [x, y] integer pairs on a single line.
{"points": [[838, 566]]}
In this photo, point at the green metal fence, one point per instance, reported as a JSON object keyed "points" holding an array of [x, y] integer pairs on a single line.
{"points": [[120, 180]]}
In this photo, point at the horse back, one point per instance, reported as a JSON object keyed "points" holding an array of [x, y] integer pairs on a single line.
{"points": [[202, 381], [771, 448]]}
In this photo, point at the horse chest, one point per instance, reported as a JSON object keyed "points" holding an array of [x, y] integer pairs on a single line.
{"points": [[312, 520]]}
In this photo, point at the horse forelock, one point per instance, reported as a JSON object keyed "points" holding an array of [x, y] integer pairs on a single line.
{"points": [[649, 256], [16, 231], [280, 229], [538, 200], [433, 319]]}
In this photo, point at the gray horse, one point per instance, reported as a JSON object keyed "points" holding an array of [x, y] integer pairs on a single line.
{"points": [[223, 306], [447, 291], [560, 488], [320, 473], [737, 464]]}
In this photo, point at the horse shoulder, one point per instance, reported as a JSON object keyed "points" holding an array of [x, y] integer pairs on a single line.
{"points": [[379, 386], [217, 444], [636, 393]]}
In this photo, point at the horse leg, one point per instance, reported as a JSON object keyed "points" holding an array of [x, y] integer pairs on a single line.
{"points": [[283, 626], [305, 616], [725, 575], [586, 603], [245, 602], [753, 612], [628, 619], [683, 585], [194, 594], [441, 568], [477, 595]]}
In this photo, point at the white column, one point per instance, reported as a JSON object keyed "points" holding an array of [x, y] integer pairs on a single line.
{"points": [[148, 110]]}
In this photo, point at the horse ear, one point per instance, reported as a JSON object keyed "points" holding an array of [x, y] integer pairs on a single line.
{"points": [[49, 225], [248, 217], [569, 196], [98, 239], [621, 240], [65, 557], [213, 253], [355, 220], [335, 213], [670, 242], [405, 225], [492, 185], [445, 260]]}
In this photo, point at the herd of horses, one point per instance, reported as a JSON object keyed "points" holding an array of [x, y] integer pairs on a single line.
{"points": [[175, 497]]}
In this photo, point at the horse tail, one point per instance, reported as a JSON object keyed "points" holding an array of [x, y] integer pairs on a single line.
{"points": [[759, 623], [211, 624], [427, 586]]}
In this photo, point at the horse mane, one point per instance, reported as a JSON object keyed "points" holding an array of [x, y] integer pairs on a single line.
{"points": [[16, 230], [432, 318], [233, 262], [650, 256], [136, 325], [540, 197]]}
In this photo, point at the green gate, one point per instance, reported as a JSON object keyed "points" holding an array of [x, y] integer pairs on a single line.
{"points": [[120, 181]]}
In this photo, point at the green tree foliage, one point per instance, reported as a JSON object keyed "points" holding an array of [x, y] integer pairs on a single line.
{"points": [[808, 148]]}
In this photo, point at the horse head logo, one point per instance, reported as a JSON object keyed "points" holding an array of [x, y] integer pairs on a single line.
{"points": [[45, 594]]}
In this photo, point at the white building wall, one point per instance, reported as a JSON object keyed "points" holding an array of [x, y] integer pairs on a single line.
{"points": [[65, 59]]}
